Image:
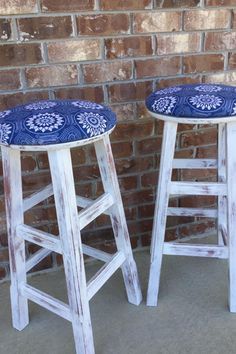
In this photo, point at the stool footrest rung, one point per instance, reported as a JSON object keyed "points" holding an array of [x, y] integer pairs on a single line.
{"points": [[100, 278], [97, 208], [200, 250], [195, 163], [37, 197], [47, 301], [200, 212], [36, 258], [198, 188], [40, 238], [97, 254]]}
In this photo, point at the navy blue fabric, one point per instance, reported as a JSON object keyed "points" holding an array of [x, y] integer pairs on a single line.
{"points": [[194, 100], [54, 122]]}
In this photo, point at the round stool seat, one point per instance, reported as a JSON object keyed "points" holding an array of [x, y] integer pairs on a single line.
{"points": [[54, 122], [198, 101]]}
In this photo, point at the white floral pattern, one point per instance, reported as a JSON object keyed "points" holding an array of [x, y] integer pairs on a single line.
{"points": [[168, 90], [4, 113], [208, 88], [45, 122], [87, 105], [40, 105], [164, 104], [5, 132], [234, 110], [94, 123], [206, 102]]}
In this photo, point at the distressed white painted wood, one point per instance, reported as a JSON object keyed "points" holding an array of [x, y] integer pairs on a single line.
{"points": [[97, 254], [83, 202], [118, 220], [47, 301], [37, 197], [97, 208], [14, 216], [198, 188], [66, 207], [231, 173], [160, 214], [100, 278], [195, 163], [196, 250], [36, 258], [222, 200], [40, 238], [200, 212]]}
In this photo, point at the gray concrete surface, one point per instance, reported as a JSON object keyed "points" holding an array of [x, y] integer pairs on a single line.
{"points": [[192, 316]]}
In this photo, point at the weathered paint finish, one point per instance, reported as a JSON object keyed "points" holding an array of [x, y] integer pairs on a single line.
{"points": [[68, 243], [118, 220], [225, 189], [14, 216]]}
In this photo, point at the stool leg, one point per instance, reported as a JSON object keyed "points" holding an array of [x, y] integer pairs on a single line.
{"points": [[67, 215], [14, 216], [110, 183], [222, 200], [231, 185], [159, 222]]}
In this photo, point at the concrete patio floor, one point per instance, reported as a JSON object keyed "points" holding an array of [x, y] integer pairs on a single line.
{"points": [[192, 316]]}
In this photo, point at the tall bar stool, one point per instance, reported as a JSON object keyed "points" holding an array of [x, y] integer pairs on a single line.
{"points": [[56, 126], [196, 104]]}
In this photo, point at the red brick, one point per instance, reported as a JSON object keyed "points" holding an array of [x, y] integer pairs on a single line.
{"points": [[94, 93], [8, 101], [196, 229], [129, 131], [20, 54], [220, 3], [178, 81], [224, 77], [74, 50], [202, 63], [126, 151], [107, 71], [4, 257], [10, 79], [65, 6], [35, 181], [158, 67], [202, 137], [10, 7], [125, 4], [44, 28], [148, 146], [177, 3], [157, 22], [28, 163], [149, 179], [51, 76], [133, 165], [196, 201], [178, 43], [129, 91], [209, 152], [138, 197], [5, 29], [103, 24], [3, 273], [220, 41], [128, 47], [206, 19], [232, 61], [124, 112], [128, 183], [234, 19]]}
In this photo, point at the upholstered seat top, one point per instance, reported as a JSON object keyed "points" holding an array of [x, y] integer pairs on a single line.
{"points": [[54, 122], [194, 101]]}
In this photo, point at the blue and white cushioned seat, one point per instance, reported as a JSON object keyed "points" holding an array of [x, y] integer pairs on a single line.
{"points": [[194, 100], [54, 122]]}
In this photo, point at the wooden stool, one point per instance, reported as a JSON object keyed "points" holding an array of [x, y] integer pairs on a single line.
{"points": [[56, 126], [196, 104]]}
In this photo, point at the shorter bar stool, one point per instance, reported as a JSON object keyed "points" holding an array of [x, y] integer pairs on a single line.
{"points": [[196, 104], [56, 126]]}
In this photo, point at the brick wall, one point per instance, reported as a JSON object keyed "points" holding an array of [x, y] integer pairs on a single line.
{"points": [[117, 52]]}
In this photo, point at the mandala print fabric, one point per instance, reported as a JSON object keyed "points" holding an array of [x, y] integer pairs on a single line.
{"points": [[196, 101], [54, 122]]}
